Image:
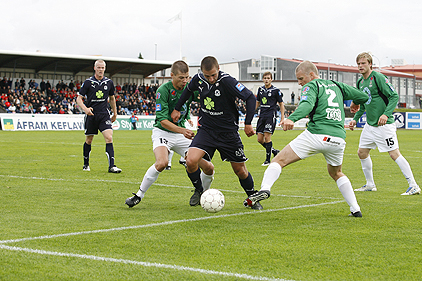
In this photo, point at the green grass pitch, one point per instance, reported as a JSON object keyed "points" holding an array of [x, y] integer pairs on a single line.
{"points": [[60, 223]]}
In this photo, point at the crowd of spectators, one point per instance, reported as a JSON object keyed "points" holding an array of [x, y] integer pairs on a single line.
{"points": [[34, 98]]}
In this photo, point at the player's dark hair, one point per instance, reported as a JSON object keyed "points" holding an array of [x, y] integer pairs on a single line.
{"points": [[267, 74], [179, 67], [208, 63]]}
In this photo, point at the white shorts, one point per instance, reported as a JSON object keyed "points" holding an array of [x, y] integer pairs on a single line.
{"points": [[308, 144], [383, 137], [173, 141]]}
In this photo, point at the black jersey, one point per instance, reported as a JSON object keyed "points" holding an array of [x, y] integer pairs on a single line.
{"points": [[269, 99], [218, 102], [96, 93]]}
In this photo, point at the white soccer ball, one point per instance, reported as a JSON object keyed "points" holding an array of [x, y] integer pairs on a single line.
{"points": [[212, 200]]}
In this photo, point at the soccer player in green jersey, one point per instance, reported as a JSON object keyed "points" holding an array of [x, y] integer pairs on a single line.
{"points": [[167, 135], [379, 130], [322, 101]]}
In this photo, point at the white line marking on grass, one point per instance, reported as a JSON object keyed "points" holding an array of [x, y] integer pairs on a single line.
{"points": [[158, 184], [165, 223], [146, 264]]}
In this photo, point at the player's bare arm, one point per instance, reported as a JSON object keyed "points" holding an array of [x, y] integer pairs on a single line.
{"points": [[281, 104], [383, 120], [249, 131], [174, 128], [354, 107], [112, 101], [87, 110], [352, 125], [287, 124], [175, 115]]}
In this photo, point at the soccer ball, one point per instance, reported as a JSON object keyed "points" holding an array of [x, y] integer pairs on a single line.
{"points": [[212, 200]]}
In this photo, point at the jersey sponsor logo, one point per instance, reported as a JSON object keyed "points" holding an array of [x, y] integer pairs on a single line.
{"points": [[329, 140], [240, 87], [99, 94], [158, 107], [158, 95], [209, 104], [173, 92], [305, 89], [333, 114], [264, 100], [303, 98]]}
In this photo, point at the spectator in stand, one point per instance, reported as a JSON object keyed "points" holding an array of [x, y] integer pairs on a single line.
{"points": [[120, 111], [22, 83], [47, 85], [42, 85], [71, 85]]}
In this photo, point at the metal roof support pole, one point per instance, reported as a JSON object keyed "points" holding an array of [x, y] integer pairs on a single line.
{"points": [[130, 73], [54, 76], [14, 70]]}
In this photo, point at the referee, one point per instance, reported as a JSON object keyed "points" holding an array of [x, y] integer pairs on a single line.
{"points": [[98, 91]]}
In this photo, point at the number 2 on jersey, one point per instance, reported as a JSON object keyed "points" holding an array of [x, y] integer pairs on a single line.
{"points": [[331, 98]]}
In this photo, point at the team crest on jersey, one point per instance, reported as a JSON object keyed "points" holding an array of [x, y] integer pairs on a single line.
{"points": [[240, 87], [217, 93], [158, 107], [105, 87], [305, 89], [173, 92], [158, 95]]}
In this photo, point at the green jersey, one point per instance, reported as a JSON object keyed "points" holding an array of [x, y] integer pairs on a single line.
{"points": [[383, 98], [166, 98], [323, 101]]}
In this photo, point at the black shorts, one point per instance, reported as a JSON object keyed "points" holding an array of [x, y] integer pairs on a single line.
{"points": [[228, 144], [266, 124], [98, 121]]}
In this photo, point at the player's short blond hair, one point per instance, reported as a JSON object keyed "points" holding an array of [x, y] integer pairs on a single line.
{"points": [[307, 67], [365, 55], [99, 61]]}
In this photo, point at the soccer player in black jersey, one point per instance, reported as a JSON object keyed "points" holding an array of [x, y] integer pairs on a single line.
{"points": [[98, 92], [218, 124], [267, 97]]}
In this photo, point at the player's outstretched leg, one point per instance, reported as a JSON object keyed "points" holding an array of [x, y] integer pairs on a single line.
{"points": [[254, 199], [132, 201]]}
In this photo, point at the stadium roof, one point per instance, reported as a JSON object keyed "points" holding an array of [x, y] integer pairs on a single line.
{"points": [[53, 63]]}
